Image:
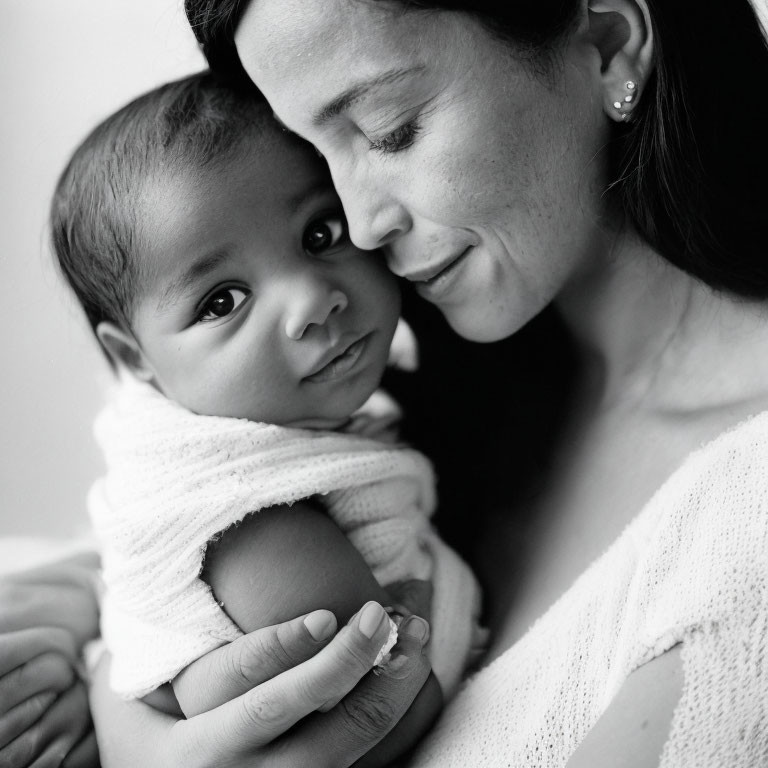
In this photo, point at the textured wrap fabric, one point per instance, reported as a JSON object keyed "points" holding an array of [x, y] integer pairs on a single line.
{"points": [[175, 480], [692, 568]]}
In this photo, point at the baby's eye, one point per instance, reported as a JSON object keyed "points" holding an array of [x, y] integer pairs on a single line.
{"points": [[221, 304], [324, 233]]}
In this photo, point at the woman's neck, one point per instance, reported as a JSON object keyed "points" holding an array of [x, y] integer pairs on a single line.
{"points": [[652, 335]]}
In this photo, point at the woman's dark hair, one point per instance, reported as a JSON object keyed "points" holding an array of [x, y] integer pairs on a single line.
{"points": [[95, 226], [691, 168]]}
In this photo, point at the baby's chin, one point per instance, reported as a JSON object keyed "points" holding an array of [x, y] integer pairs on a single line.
{"points": [[321, 423]]}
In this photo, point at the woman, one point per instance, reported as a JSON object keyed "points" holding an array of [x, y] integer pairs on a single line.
{"points": [[572, 153], [586, 156]]}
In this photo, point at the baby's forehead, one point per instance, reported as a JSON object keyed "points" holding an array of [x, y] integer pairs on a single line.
{"points": [[255, 193]]}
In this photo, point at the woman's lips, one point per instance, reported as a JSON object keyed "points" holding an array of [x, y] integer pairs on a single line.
{"points": [[342, 364], [440, 281]]}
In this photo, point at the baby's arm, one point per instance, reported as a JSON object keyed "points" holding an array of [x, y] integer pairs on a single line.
{"points": [[287, 561]]}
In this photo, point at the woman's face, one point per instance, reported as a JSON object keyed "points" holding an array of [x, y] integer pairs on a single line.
{"points": [[482, 181]]}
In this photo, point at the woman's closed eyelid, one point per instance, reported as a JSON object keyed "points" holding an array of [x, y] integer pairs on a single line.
{"points": [[397, 140], [404, 134]]}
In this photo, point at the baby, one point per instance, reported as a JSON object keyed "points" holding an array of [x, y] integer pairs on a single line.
{"points": [[209, 251]]}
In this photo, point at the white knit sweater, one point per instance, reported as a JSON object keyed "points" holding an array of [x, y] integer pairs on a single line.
{"points": [[692, 568], [175, 480]]}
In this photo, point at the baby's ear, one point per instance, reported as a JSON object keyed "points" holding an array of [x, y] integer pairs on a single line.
{"points": [[124, 350]]}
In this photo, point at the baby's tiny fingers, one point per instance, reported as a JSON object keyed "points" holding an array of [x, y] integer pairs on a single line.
{"points": [[14, 722]]}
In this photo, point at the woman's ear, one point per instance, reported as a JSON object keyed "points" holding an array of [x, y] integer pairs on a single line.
{"points": [[622, 33], [124, 350]]}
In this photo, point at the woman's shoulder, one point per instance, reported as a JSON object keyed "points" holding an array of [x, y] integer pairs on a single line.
{"points": [[706, 544], [726, 478]]}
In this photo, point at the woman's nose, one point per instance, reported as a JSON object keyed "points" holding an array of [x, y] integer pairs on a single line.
{"points": [[374, 216], [311, 302]]}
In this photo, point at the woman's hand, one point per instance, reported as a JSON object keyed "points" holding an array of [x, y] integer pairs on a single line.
{"points": [[61, 594], [46, 615], [281, 677]]}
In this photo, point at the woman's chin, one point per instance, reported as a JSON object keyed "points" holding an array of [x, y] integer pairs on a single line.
{"points": [[485, 326]]}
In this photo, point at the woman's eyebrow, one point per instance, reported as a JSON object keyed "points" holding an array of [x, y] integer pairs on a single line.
{"points": [[358, 90], [183, 282]]}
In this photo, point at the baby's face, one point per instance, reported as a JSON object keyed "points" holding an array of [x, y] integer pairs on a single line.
{"points": [[257, 304]]}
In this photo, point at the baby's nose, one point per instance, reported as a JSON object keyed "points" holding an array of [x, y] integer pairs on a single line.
{"points": [[313, 305]]}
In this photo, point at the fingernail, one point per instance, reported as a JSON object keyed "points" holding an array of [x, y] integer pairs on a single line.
{"points": [[370, 619], [320, 624], [415, 627], [45, 699]]}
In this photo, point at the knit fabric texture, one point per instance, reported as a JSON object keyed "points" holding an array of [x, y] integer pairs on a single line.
{"points": [[175, 480], [692, 568]]}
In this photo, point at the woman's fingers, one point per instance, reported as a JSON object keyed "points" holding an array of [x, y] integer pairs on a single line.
{"points": [[75, 570], [235, 668], [367, 714], [14, 722], [266, 712], [69, 606], [251, 730], [47, 672], [85, 754], [17, 648], [47, 742]]}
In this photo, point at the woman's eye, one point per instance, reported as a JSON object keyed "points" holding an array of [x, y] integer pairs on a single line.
{"points": [[399, 139], [324, 233], [221, 304]]}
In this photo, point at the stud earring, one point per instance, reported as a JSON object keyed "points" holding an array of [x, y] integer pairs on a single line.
{"points": [[631, 86]]}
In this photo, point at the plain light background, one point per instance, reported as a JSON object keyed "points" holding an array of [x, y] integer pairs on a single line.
{"points": [[66, 64]]}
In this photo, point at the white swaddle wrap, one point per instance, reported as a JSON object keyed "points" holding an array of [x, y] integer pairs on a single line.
{"points": [[175, 480]]}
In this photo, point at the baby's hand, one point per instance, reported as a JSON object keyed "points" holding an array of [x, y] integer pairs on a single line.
{"points": [[45, 617], [411, 598]]}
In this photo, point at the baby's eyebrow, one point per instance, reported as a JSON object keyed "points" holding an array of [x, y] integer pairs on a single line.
{"points": [[195, 272], [356, 92], [317, 189]]}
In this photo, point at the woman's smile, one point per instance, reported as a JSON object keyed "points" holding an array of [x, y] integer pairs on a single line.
{"points": [[444, 280]]}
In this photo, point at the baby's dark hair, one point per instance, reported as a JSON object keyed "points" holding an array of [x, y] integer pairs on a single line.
{"points": [[189, 123]]}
